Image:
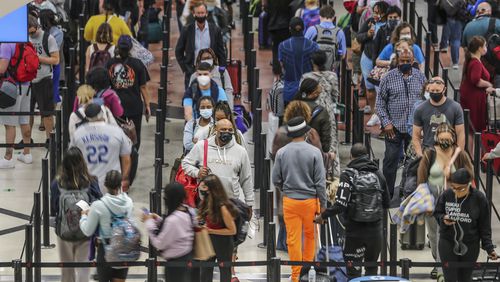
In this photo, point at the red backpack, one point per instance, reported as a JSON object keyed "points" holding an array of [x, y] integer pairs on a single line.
{"points": [[23, 65], [100, 57]]}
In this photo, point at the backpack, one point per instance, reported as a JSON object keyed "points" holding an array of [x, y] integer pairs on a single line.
{"points": [[125, 241], [98, 99], [83, 120], [493, 43], [275, 100], [365, 204], [242, 220], [409, 177], [315, 113], [242, 118], [100, 57], [23, 66], [451, 7], [68, 218], [310, 17], [327, 42]]}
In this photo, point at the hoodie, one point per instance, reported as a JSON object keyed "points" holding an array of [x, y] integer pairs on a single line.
{"points": [[111, 101], [99, 215], [343, 197], [229, 162]]}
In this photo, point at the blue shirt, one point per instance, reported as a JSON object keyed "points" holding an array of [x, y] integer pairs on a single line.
{"points": [[295, 55], [312, 32], [389, 49], [222, 97], [397, 96], [201, 39], [478, 26]]}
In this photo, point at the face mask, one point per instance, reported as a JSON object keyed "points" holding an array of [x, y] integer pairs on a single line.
{"points": [[405, 36], [201, 19], [204, 193], [405, 68], [206, 113], [208, 61], [349, 6], [225, 137], [436, 97], [445, 144], [427, 95], [393, 23], [203, 80]]}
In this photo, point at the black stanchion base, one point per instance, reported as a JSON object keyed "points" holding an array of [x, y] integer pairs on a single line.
{"points": [[51, 246]]}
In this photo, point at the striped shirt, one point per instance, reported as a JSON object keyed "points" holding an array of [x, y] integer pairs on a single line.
{"points": [[397, 96]]}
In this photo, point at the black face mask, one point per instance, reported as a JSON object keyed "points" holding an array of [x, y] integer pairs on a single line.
{"points": [[201, 19], [436, 97], [405, 68], [445, 144], [225, 137], [204, 193]]}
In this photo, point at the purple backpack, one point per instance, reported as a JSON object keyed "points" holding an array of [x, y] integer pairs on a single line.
{"points": [[310, 17], [242, 118]]}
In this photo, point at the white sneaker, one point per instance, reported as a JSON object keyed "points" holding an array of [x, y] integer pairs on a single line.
{"points": [[374, 120], [4, 163], [27, 159], [455, 66], [367, 109]]}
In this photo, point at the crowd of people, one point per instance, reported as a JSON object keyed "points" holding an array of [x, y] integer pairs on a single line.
{"points": [[211, 190]]}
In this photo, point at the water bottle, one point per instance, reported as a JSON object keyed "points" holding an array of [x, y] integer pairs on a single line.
{"points": [[312, 275]]}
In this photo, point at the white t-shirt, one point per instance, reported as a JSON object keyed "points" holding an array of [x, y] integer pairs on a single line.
{"points": [[102, 145]]}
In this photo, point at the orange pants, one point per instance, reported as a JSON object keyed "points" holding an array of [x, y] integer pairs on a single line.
{"points": [[299, 216]]}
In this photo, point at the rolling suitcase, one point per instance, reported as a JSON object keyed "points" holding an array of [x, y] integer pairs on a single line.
{"points": [[264, 37], [491, 136], [234, 70], [414, 238]]}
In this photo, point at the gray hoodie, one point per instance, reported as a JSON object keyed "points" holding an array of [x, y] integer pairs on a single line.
{"points": [[230, 163], [99, 215]]}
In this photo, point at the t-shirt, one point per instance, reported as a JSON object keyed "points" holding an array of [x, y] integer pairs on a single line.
{"points": [[44, 70], [206, 92], [102, 145], [429, 117], [118, 26], [127, 77], [389, 49]]}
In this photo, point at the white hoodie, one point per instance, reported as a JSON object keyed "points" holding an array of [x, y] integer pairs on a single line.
{"points": [[99, 214], [229, 162]]}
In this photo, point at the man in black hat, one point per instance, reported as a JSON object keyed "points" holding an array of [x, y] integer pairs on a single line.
{"points": [[463, 215], [104, 146], [300, 174]]}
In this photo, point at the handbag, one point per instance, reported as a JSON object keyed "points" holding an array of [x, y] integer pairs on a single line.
{"points": [[128, 127], [203, 248], [376, 74], [139, 52], [191, 183], [8, 92]]}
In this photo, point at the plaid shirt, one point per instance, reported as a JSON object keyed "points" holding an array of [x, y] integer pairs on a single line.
{"points": [[396, 97]]}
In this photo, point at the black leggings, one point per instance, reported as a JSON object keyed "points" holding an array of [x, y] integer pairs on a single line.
{"points": [[223, 247], [446, 253], [178, 274], [362, 249]]}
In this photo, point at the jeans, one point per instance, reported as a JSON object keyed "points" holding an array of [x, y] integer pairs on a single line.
{"points": [[362, 249], [462, 274], [433, 233], [392, 156], [366, 68], [455, 28]]}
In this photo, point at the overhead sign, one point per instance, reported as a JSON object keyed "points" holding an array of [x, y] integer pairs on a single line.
{"points": [[14, 20]]}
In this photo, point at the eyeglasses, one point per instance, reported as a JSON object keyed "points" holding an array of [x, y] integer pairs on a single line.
{"points": [[436, 81]]}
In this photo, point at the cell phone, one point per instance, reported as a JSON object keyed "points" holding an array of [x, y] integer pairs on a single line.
{"points": [[145, 210]]}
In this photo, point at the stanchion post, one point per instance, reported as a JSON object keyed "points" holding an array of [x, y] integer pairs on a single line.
{"points": [[358, 125], [45, 203], [348, 106], [420, 30], [151, 264], [52, 156], [254, 99], [412, 12], [37, 236], [271, 247], [18, 270], [251, 76], [81, 47], [445, 78], [383, 254], [435, 70], [477, 158], [405, 268], [66, 112], [343, 81], [405, 10], [257, 116], [467, 128], [28, 254], [158, 183], [368, 142], [58, 138], [393, 256], [489, 184], [276, 269], [427, 64]]}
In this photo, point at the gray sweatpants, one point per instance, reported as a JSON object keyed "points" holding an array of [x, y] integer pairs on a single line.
{"points": [[74, 252]]}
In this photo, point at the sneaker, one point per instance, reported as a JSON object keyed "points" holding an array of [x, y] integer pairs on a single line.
{"points": [[444, 50], [434, 273], [27, 159], [455, 66], [374, 120], [4, 163], [367, 110]]}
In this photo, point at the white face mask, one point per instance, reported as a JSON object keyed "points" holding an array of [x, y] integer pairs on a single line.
{"points": [[203, 80], [206, 113], [208, 61], [405, 36], [427, 96]]}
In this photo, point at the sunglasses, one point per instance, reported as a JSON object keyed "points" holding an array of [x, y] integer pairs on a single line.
{"points": [[436, 81]]}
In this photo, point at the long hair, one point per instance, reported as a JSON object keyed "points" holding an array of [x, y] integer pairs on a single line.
{"points": [[73, 173], [395, 34], [47, 19], [210, 207], [85, 94], [475, 43], [174, 197], [211, 52], [463, 160], [296, 109], [223, 106], [104, 34]]}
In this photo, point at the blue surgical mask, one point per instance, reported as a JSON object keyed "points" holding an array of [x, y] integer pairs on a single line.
{"points": [[206, 113]]}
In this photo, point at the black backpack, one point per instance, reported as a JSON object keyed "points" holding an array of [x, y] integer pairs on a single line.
{"points": [[365, 204], [242, 220], [100, 57], [493, 43]]}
